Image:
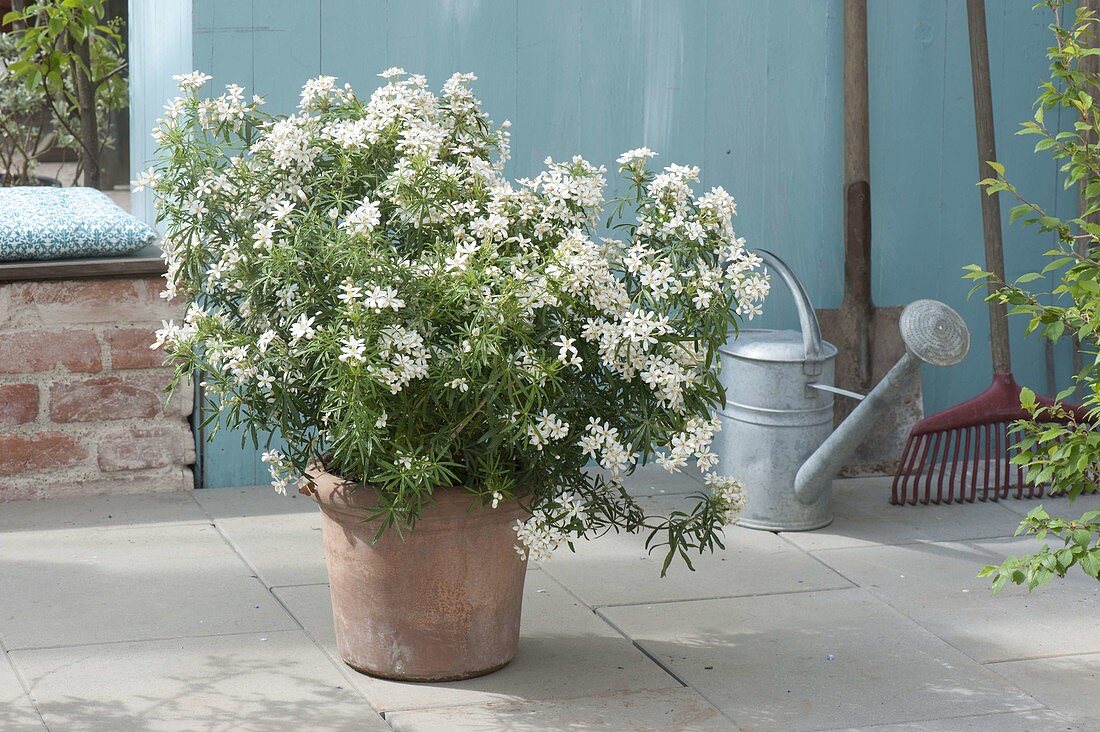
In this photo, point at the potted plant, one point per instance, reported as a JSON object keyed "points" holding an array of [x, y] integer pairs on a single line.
{"points": [[443, 351], [73, 59]]}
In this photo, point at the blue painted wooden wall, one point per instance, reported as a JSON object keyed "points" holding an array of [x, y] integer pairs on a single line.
{"points": [[749, 89]]}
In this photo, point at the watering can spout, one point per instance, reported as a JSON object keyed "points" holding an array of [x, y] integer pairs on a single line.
{"points": [[933, 334]]}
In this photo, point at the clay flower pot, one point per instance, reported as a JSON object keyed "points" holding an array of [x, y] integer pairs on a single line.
{"points": [[438, 603]]}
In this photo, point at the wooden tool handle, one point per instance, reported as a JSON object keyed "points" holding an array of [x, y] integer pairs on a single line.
{"points": [[991, 205], [857, 187]]}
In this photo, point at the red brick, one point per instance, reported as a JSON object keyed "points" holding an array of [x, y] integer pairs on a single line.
{"points": [[146, 447], [30, 352], [41, 451], [113, 300], [18, 403], [130, 348], [104, 398]]}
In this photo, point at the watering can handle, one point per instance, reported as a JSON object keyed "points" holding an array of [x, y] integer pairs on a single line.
{"points": [[807, 318]]}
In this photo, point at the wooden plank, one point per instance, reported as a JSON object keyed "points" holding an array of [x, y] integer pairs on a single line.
{"points": [[353, 42], [145, 262], [286, 38], [223, 46], [550, 68]]}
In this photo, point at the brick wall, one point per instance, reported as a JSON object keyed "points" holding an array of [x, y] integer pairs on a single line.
{"points": [[81, 405]]}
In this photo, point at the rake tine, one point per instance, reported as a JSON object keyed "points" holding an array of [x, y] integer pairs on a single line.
{"points": [[999, 490], [900, 472], [954, 466], [934, 451], [971, 462], [926, 442], [1016, 439], [943, 469], [918, 445], [987, 440]]}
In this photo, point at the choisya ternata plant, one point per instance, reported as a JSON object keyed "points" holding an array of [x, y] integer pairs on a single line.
{"points": [[364, 280]]}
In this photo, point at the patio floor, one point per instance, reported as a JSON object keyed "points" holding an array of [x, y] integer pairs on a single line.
{"points": [[209, 611]]}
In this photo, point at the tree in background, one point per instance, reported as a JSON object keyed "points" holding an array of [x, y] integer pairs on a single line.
{"points": [[1058, 447], [74, 57]]}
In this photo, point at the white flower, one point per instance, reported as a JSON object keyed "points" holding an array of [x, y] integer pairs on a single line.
{"points": [[729, 494], [392, 72], [630, 158], [316, 91], [349, 292], [459, 384], [547, 428], [302, 328], [281, 210], [280, 469], [170, 335], [601, 442], [379, 299], [265, 340], [363, 219], [192, 81], [265, 381], [146, 179], [352, 350], [382, 421], [544, 531], [459, 261], [567, 353]]}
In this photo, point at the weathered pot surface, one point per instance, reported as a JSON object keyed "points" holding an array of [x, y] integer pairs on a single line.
{"points": [[438, 603]]}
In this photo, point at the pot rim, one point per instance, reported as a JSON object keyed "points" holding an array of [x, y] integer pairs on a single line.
{"points": [[348, 501]]}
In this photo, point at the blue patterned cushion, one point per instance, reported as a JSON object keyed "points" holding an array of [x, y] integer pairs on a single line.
{"points": [[40, 222]]}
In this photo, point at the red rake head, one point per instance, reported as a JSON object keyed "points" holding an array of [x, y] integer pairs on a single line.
{"points": [[963, 453]]}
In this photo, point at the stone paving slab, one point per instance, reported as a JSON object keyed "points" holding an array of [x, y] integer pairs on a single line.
{"points": [[679, 710], [937, 586], [252, 681], [252, 501], [814, 660], [1039, 720], [1069, 684], [615, 569], [94, 586], [864, 517], [284, 549], [16, 711], [1056, 505], [103, 512], [565, 651]]}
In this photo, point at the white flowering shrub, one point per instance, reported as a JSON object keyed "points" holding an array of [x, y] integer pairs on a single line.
{"points": [[364, 280]]}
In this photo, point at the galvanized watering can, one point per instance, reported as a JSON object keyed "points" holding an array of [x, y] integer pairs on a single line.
{"points": [[777, 422]]}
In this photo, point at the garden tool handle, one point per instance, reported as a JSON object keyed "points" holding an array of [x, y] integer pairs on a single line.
{"points": [[807, 318], [991, 205]]}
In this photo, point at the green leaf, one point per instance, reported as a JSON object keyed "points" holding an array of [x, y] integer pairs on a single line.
{"points": [[1027, 399]]}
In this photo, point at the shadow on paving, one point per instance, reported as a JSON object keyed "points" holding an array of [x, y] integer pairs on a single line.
{"points": [[217, 699]]}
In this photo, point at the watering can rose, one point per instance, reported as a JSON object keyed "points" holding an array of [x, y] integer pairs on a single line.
{"points": [[364, 281]]}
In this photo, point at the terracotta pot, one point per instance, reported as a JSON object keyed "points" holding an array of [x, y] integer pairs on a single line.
{"points": [[438, 603]]}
